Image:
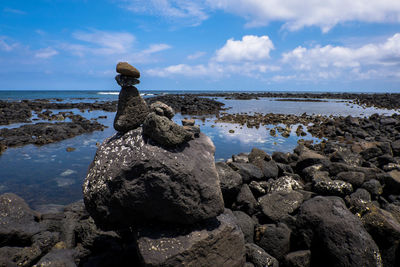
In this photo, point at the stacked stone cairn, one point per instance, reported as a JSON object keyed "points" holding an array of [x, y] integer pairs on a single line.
{"points": [[158, 180]]}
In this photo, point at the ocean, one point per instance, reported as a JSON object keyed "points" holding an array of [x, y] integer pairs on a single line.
{"points": [[50, 175]]}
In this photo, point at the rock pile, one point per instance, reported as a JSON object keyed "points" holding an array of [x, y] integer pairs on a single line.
{"points": [[159, 179]]}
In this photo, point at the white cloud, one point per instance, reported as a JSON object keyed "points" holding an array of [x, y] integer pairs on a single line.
{"points": [[299, 14], [154, 48], [196, 55], [250, 48], [189, 12], [106, 42], [5, 45], [46, 53], [14, 11]]}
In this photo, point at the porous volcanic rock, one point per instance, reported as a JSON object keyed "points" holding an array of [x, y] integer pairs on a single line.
{"points": [[132, 110], [133, 180]]}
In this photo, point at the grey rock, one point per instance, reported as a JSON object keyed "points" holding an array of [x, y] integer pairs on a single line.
{"points": [[325, 225], [284, 184], [162, 109], [259, 257], [132, 110], [18, 223], [245, 200], [278, 205], [396, 148], [330, 187], [359, 201], [275, 239], [257, 189], [301, 258], [125, 81], [164, 131], [246, 224], [281, 157], [216, 242], [248, 171], [257, 155], [308, 158], [230, 182], [374, 187], [194, 130], [131, 180], [269, 169], [355, 178], [58, 258]]}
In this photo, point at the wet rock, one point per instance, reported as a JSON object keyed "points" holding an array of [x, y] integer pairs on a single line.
{"points": [[125, 68], [248, 171], [301, 258], [246, 224], [259, 257], [162, 109], [216, 242], [132, 180], [385, 230], [245, 200], [164, 131], [125, 81], [325, 225], [132, 110], [230, 182], [275, 239], [278, 205], [18, 223]]}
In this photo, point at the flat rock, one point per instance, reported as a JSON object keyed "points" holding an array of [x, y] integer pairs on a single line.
{"points": [[18, 223], [133, 180], [333, 232], [216, 242], [278, 205], [125, 81], [132, 110], [164, 131], [248, 171], [125, 68]]}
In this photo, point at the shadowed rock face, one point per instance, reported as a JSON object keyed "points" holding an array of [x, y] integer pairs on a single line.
{"points": [[133, 180], [132, 110]]}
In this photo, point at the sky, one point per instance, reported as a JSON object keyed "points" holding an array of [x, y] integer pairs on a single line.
{"points": [[249, 45]]}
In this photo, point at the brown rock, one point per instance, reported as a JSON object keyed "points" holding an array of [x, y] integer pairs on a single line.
{"points": [[126, 69]]}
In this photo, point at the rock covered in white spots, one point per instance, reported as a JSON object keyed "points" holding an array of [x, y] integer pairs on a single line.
{"points": [[133, 180]]}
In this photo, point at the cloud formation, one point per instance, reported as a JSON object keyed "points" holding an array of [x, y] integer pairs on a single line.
{"points": [[46, 53]]}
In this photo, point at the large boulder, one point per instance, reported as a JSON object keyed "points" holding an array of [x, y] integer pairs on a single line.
{"points": [[18, 223], [132, 110], [216, 242], [125, 68], [335, 236], [133, 180]]}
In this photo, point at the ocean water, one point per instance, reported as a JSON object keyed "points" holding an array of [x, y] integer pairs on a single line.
{"points": [[50, 175]]}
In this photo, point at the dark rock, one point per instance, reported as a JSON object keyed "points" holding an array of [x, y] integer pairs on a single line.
{"points": [[331, 231], [371, 152], [396, 148], [18, 223], [245, 200], [308, 158], [356, 179], [58, 258], [392, 182], [259, 257], [216, 242], [7, 256], [394, 210], [125, 81], [240, 158], [131, 181], [246, 224], [359, 201], [187, 122], [248, 171], [269, 169], [280, 157], [230, 182], [162, 109], [126, 69], [256, 155], [329, 187], [275, 239], [194, 130], [278, 205], [374, 187], [132, 110], [164, 131], [301, 258], [284, 184], [257, 189]]}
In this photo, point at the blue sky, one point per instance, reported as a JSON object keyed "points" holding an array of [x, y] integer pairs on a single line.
{"points": [[336, 45]]}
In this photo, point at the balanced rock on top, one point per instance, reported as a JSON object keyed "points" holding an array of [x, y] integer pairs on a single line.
{"points": [[126, 69]]}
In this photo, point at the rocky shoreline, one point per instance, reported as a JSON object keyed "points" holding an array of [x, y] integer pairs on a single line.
{"points": [[154, 196]]}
